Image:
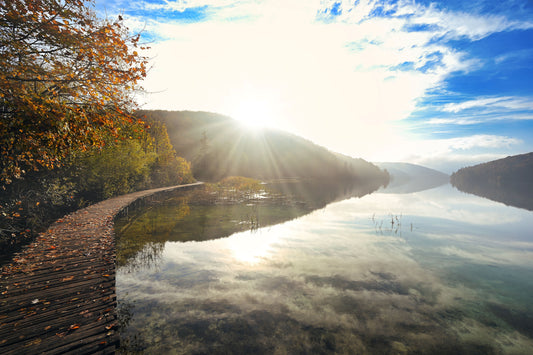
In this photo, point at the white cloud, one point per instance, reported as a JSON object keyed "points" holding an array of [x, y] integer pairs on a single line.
{"points": [[505, 102], [182, 5], [522, 54], [342, 83], [313, 82], [470, 120], [477, 141]]}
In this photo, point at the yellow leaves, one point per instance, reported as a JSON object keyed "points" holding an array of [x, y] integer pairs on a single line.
{"points": [[46, 77]]}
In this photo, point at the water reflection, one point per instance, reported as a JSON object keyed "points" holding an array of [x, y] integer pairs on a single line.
{"points": [[197, 216], [516, 193], [452, 274]]}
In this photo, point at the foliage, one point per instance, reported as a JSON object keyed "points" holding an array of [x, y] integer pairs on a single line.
{"points": [[114, 170], [65, 82], [29, 205], [67, 133], [168, 168], [219, 147]]}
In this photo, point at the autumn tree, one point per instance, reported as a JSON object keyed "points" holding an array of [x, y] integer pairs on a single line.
{"points": [[168, 168], [66, 82]]}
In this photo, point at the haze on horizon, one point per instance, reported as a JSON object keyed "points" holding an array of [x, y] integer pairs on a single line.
{"points": [[443, 84]]}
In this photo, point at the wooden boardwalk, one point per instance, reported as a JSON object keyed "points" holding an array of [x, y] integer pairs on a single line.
{"points": [[58, 293]]}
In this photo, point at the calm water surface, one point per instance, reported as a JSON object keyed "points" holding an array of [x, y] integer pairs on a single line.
{"points": [[435, 271]]}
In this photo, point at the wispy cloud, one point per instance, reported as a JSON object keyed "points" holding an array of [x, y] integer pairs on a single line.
{"points": [[479, 119], [337, 72], [491, 103], [480, 110]]}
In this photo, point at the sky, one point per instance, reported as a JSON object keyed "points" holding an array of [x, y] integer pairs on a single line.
{"points": [[444, 84]]}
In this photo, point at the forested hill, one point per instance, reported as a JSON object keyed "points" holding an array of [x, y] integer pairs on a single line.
{"points": [[219, 146], [508, 180]]}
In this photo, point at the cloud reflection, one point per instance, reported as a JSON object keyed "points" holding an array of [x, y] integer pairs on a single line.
{"points": [[327, 282]]}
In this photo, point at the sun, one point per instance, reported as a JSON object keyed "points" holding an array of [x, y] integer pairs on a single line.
{"points": [[255, 106], [254, 113]]}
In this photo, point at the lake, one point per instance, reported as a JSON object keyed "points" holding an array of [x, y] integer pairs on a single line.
{"points": [[328, 271]]}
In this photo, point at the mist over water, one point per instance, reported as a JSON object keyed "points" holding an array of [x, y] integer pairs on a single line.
{"points": [[435, 271]]}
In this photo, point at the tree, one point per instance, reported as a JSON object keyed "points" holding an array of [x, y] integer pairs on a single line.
{"points": [[66, 82], [168, 169]]}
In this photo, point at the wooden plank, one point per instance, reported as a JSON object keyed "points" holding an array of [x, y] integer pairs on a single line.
{"points": [[57, 296], [90, 303]]}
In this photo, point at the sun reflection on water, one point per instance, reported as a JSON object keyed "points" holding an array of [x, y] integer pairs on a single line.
{"points": [[251, 247]]}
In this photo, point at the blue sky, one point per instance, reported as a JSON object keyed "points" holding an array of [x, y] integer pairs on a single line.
{"points": [[444, 84]]}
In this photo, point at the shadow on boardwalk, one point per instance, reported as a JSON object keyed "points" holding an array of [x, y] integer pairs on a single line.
{"points": [[58, 293]]}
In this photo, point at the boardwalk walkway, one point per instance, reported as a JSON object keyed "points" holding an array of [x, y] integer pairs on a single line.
{"points": [[58, 293]]}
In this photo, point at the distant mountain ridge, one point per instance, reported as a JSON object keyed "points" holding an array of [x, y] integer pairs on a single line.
{"points": [[407, 177], [219, 146], [508, 180]]}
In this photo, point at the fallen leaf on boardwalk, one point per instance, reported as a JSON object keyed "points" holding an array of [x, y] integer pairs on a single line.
{"points": [[47, 327], [51, 247], [103, 343], [106, 275], [34, 342], [74, 327], [110, 326], [60, 334], [69, 278]]}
